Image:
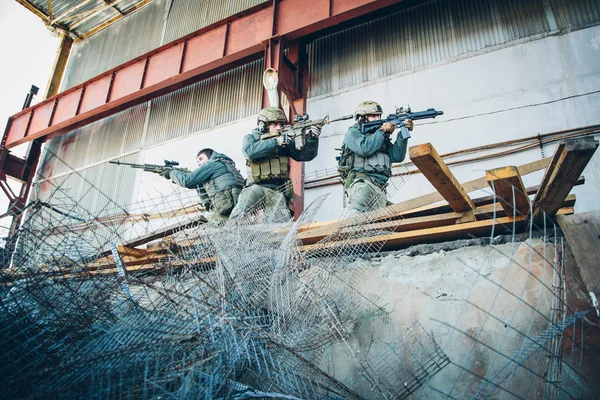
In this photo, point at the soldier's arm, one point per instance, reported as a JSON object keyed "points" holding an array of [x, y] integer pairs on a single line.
{"points": [[363, 145], [308, 152], [256, 149], [192, 180], [397, 151]]}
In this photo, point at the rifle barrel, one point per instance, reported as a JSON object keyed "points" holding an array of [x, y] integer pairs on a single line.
{"points": [[345, 117], [121, 163]]}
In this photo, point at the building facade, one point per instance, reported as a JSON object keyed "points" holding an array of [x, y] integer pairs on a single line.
{"points": [[501, 70]]}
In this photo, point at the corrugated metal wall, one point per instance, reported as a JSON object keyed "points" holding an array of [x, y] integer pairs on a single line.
{"points": [[576, 13], [434, 32], [126, 39], [216, 101], [187, 16], [212, 102], [142, 31]]}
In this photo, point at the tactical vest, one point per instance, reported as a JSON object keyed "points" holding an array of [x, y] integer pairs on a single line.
{"points": [[275, 167], [378, 162], [226, 181], [224, 190]]}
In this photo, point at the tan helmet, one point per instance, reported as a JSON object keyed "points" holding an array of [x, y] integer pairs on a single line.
{"points": [[367, 108], [271, 114]]}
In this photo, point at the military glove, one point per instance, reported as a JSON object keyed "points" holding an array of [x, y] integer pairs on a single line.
{"points": [[388, 127], [315, 131], [166, 173], [409, 124], [283, 140]]}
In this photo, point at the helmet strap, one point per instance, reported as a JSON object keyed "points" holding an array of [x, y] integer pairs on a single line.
{"points": [[262, 126], [360, 120]]}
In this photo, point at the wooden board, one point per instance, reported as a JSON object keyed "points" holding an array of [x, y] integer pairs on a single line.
{"points": [[485, 212], [398, 208], [508, 187], [568, 163], [435, 209], [429, 162], [582, 232], [444, 233]]}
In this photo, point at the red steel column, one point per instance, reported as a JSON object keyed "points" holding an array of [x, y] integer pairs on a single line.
{"points": [[290, 71]]}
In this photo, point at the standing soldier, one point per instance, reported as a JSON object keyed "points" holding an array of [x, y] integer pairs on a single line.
{"points": [[268, 167], [217, 181], [366, 160]]}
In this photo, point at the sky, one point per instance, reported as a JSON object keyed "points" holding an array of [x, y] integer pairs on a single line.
{"points": [[28, 51]]}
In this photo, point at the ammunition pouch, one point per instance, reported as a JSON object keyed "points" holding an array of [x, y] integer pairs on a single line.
{"points": [[272, 168]]}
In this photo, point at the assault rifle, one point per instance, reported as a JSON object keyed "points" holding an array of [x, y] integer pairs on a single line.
{"points": [[172, 165], [157, 169], [398, 119], [301, 122]]}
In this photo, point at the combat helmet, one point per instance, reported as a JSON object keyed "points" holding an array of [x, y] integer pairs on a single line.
{"points": [[270, 114], [367, 108]]}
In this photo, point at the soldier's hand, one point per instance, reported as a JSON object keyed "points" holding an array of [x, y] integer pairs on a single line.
{"points": [[409, 124], [388, 127], [314, 131], [283, 139], [166, 173]]}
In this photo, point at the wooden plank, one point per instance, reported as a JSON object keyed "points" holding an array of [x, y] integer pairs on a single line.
{"points": [[137, 268], [508, 186], [160, 233], [479, 202], [488, 211], [582, 232], [400, 225], [491, 210], [429, 162], [397, 240], [435, 209], [568, 163], [395, 209], [130, 251], [566, 211]]}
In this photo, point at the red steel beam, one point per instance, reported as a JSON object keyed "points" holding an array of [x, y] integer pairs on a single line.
{"points": [[179, 64]]}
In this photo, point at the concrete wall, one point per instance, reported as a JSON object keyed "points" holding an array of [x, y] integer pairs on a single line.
{"points": [[478, 303], [511, 92]]}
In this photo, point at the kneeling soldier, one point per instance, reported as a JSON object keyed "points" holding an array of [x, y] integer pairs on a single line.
{"points": [[217, 180]]}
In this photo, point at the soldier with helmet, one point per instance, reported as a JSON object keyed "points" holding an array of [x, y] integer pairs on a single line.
{"points": [[218, 181], [267, 161], [366, 160]]}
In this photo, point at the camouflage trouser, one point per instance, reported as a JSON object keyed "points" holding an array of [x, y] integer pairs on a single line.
{"points": [[258, 197], [365, 196]]}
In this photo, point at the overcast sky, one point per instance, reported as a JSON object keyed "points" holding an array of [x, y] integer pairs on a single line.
{"points": [[28, 50]]}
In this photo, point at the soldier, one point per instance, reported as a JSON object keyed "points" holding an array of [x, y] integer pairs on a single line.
{"points": [[367, 159], [217, 180], [268, 168]]}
